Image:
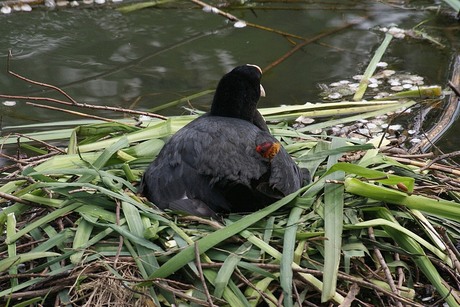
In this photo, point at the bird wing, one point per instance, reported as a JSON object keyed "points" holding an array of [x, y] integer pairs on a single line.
{"points": [[285, 175], [203, 160], [224, 150], [233, 162], [214, 160]]}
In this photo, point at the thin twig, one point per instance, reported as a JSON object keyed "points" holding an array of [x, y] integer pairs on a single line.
{"points": [[280, 300], [29, 275], [9, 179], [200, 273], [453, 273], [434, 166], [7, 168], [122, 110], [306, 42], [71, 112], [201, 220], [42, 292], [399, 269], [10, 158], [415, 156], [35, 158], [441, 157], [14, 198], [24, 247], [385, 267], [10, 55], [351, 295], [41, 142], [181, 294], [285, 34], [452, 251], [250, 284], [296, 294]]}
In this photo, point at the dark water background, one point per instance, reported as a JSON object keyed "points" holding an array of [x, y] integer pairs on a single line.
{"points": [[150, 57]]}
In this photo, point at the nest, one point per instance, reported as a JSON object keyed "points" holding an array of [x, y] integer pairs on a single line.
{"points": [[76, 233]]}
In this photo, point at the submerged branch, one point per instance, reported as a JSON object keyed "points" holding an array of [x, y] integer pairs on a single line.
{"points": [[71, 102], [306, 42], [55, 88], [233, 18]]}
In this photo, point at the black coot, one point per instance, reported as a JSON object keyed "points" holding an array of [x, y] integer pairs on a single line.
{"points": [[226, 160]]}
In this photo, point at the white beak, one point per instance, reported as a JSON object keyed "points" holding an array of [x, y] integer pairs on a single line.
{"points": [[262, 91]]}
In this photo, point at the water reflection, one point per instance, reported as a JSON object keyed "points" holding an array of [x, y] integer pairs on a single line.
{"points": [[101, 56]]}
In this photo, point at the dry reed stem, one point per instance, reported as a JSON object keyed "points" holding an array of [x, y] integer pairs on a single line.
{"points": [[250, 284], [15, 199], [431, 167], [452, 251], [200, 274], [384, 266], [441, 157], [351, 295]]}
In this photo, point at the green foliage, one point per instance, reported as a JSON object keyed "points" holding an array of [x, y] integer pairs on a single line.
{"points": [[87, 218]]}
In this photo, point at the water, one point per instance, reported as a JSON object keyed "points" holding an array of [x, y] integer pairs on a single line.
{"points": [[150, 57]]}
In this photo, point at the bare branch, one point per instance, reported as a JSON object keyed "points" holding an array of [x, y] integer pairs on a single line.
{"points": [[71, 112], [10, 55], [72, 101], [41, 142]]}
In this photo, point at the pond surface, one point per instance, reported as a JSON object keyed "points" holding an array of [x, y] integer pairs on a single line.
{"points": [[149, 57]]}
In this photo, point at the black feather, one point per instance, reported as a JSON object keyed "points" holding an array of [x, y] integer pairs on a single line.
{"points": [[211, 165]]}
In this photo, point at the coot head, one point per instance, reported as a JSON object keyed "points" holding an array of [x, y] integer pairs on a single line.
{"points": [[238, 92]]}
